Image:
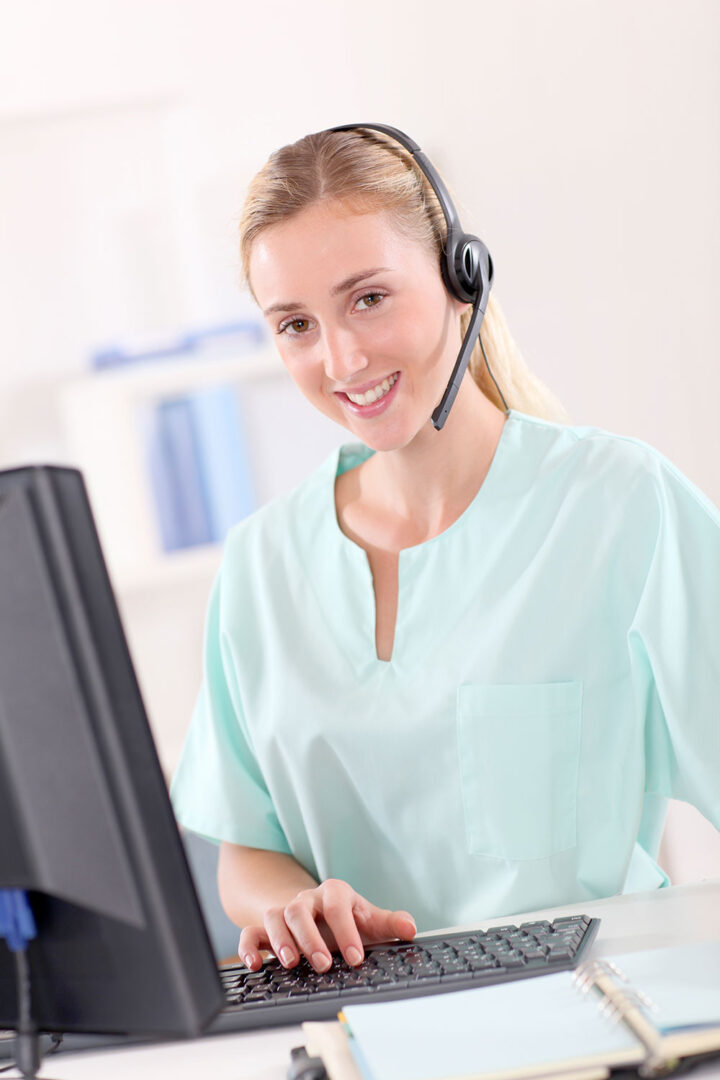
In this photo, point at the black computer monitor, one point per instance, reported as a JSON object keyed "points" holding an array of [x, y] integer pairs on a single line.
{"points": [[86, 825]]}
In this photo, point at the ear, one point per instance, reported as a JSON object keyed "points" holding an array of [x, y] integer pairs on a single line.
{"points": [[461, 306]]}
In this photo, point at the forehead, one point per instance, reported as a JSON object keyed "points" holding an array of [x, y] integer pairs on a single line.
{"points": [[320, 246]]}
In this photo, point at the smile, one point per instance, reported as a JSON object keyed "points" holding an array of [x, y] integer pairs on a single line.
{"points": [[375, 393]]}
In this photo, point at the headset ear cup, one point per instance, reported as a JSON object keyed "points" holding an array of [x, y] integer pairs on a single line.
{"points": [[475, 269], [470, 266], [466, 265]]}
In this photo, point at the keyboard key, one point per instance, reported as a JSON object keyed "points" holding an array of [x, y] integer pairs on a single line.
{"points": [[534, 954], [353, 991], [430, 967], [486, 963], [560, 952], [514, 960], [355, 979]]}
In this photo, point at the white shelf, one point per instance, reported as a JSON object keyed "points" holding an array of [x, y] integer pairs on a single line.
{"points": [[197, 565], [177, 376], [101, 415]]}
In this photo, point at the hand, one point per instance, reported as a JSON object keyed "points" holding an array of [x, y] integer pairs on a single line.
{"points": [[318, 920]]}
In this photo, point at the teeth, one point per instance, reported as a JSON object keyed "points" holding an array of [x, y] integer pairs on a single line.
{"points": [[375, 393]]}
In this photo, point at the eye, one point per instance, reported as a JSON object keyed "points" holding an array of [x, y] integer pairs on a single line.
{"points": [[299, 327], [375, 299]]}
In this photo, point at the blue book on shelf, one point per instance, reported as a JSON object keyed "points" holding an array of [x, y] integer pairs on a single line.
{"points": [[176, 477], [226, 475], [161, 482]]}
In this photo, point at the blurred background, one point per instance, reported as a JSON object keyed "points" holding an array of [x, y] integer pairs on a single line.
{"points": [[581, 139]]}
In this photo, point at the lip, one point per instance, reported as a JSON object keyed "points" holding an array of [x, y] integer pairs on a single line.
{"points": [[375, 407], [364, 387]]}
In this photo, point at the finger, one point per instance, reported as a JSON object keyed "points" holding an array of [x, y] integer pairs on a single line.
{"points": [[252, 940], [379, 924], [281, 939], [403, 925], [300, 915], [338, 914]]}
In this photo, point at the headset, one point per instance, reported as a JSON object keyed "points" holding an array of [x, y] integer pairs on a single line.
{"points": [[466, 268]]}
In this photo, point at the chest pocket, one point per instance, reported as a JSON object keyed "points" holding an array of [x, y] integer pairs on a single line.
{"points": [[519, 749]]}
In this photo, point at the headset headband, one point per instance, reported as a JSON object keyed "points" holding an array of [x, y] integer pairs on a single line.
{"points": [[435, 180], [466, 265]]}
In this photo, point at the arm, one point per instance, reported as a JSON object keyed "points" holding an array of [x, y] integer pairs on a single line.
{"points": [[251, 880], [674, 644]]}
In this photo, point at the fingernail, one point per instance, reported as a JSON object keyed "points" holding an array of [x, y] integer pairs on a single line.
{"points": [[320, 961], [287, 955], [249, 959], [353, 956]]}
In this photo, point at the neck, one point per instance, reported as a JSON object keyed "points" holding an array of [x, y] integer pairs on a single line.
{"points": [[426, 485]]}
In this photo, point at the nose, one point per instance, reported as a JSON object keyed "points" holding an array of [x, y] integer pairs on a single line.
{"points": [[343, 356]]}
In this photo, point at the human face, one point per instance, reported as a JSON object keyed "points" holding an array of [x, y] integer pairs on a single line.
{"points": [[363, 321]]}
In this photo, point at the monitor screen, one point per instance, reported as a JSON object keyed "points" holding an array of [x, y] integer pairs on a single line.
{"points": [[86, 825]]}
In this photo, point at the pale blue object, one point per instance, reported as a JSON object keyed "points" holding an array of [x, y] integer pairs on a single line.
{"points": [[163, 481], [176, 476], [224, 463], [515, 1025], [533, 1022], [555, 677], [682, 982]]}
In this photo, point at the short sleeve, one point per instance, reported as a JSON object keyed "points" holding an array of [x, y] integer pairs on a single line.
{"points": [[675, 648], [218, 788]]}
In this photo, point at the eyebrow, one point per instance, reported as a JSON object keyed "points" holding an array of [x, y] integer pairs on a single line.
{"points": [[343, 286]]}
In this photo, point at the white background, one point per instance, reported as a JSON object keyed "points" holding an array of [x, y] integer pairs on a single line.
{"points": [[580, 137]]}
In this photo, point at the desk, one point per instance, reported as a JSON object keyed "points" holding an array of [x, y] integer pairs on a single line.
{"points": [[672, 916]]}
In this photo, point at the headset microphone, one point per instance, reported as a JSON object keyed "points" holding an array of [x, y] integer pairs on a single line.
{"points": [[466, 268]]}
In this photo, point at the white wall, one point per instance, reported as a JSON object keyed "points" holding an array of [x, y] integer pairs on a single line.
{"points": [[579, 136]]}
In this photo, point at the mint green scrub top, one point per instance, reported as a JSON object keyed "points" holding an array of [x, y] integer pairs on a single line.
{"points": [[555, 678]]}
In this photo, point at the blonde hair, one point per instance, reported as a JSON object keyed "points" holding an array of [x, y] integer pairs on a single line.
{"points": [[366, 170]]}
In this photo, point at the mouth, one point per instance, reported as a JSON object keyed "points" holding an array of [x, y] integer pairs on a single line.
{"points": [[373, 400]]}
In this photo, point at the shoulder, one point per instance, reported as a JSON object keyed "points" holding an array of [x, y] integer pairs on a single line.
{"points": [[285, 520], [573, 445], [618, 467], [287, 527]]}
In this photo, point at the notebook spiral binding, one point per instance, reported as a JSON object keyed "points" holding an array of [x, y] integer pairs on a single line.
{"points": [[621, 1001]]}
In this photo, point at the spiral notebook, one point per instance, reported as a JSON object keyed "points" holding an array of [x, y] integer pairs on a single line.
{"points": [[647, 1011]]}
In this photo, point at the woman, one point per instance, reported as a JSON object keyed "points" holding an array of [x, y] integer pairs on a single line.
{"points": [[456, 673]]}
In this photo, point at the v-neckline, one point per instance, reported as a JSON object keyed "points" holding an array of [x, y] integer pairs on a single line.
{"points": [[351, 455]]}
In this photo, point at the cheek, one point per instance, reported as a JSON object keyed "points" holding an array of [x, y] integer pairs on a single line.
{"points": [[415, 336], [308, 376], [301, 365]]}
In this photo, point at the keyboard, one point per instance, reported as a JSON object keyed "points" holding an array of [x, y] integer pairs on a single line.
{"points": [[427, 965]]}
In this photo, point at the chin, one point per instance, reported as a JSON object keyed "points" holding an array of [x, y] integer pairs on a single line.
{"points": [[391, 430], [386, 437]]}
